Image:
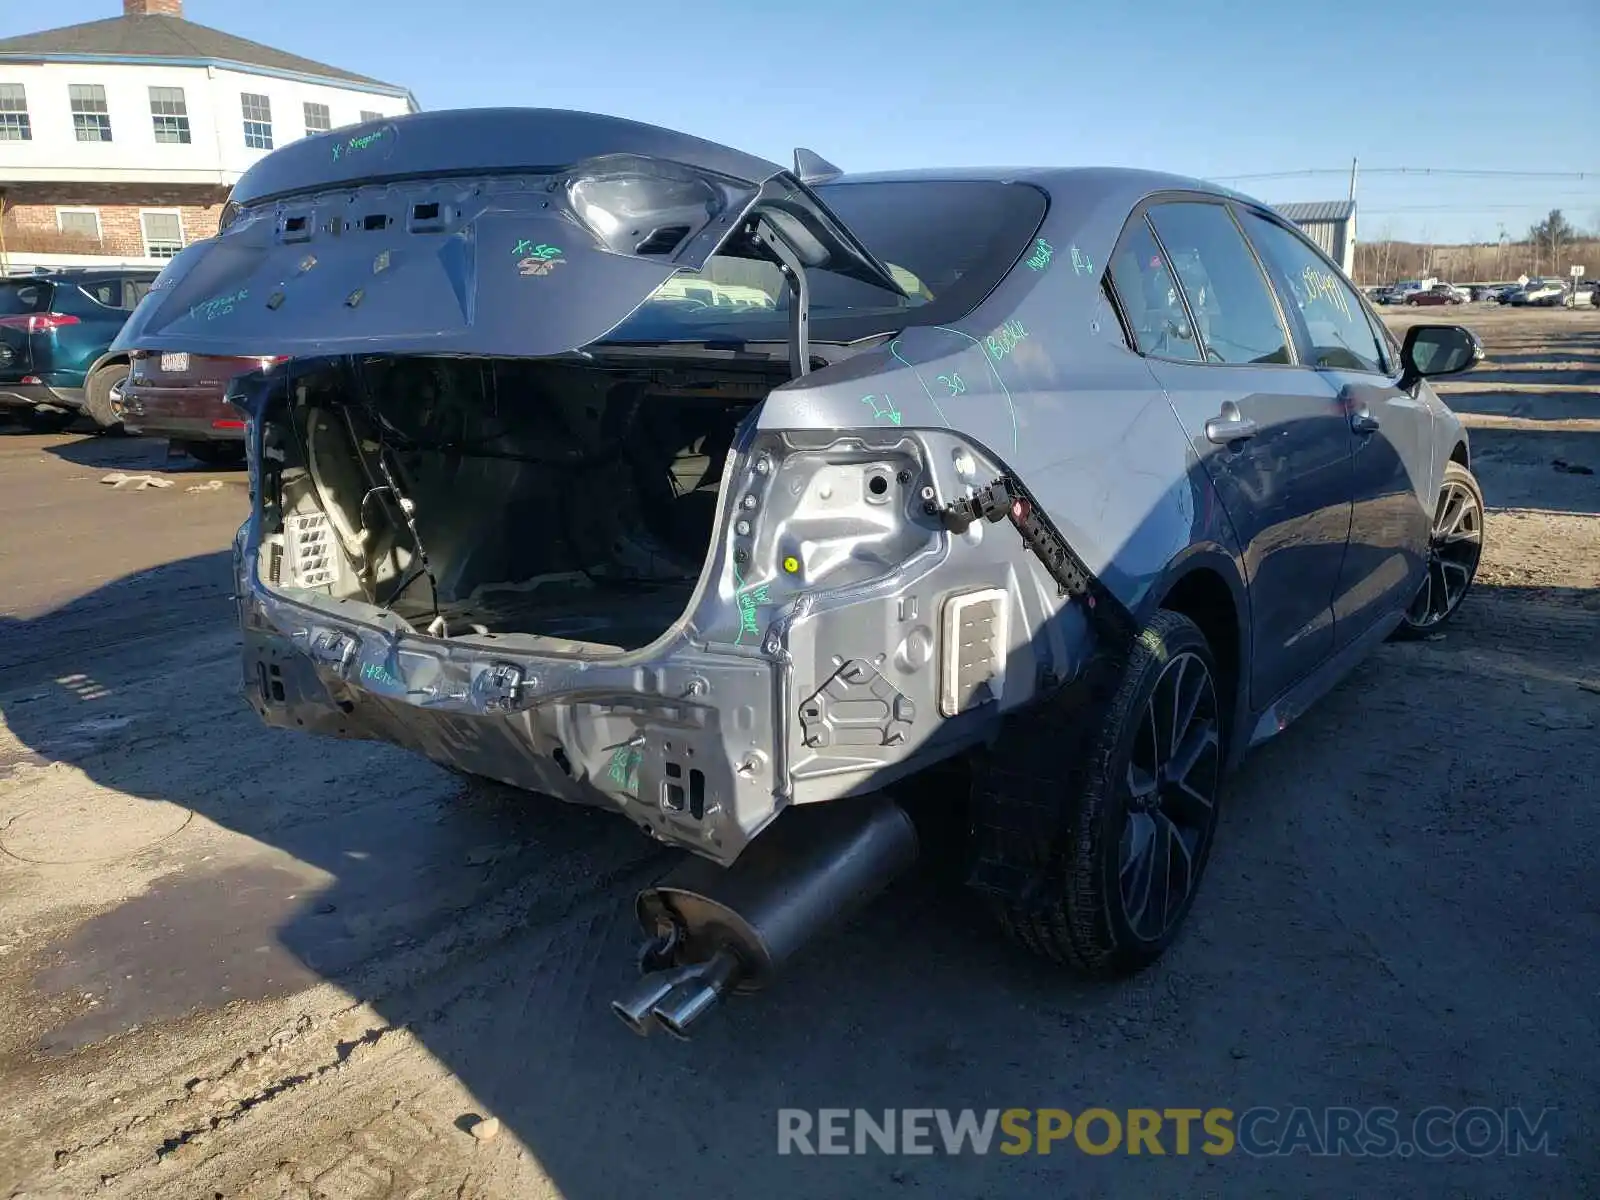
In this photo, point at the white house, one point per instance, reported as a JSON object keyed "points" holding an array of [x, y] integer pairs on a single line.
{"points": [[121, 138]]}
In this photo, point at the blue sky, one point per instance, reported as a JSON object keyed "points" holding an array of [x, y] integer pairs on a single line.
{"points": [[1180, 85]]}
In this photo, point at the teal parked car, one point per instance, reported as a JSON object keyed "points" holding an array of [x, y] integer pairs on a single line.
{"points": [[56, 331]]}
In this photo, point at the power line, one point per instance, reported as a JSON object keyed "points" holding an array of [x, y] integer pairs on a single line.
{"points": [[1450, 172]]}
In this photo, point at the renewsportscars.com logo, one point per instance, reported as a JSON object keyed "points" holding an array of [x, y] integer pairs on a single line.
{"points": [[1435, 1132]]}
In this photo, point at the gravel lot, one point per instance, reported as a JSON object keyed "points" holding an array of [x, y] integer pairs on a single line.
{"points": [[236, 962]]}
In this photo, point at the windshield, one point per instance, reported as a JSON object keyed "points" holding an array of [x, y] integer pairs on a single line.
{"points": [[18, 298], [947, 243]]}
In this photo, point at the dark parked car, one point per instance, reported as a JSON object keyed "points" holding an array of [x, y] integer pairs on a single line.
{"points": [[1072, 484], [183, 398], [55, 336], [1439, 293]]}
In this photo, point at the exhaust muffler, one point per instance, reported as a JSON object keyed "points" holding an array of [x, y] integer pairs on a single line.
{"points": [[719, 930]]}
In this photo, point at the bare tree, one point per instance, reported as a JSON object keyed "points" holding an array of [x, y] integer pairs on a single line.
{"points": [[1552, 234]]}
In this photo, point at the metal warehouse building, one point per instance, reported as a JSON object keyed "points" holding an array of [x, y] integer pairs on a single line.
{"points": [[1331, 224]]}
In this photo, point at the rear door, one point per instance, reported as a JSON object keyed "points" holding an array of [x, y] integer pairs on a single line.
{"points": [[96, 306], [1263, 425], [1391, 429], [508, 233], [22, 301]]}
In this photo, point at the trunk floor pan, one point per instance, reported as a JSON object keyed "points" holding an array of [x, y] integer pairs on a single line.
{"points": [[604, 616]]}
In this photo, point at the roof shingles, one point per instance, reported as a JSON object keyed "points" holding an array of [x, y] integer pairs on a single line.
{"points": [[168, 37]]}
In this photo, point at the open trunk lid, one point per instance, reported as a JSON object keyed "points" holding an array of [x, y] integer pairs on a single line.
{"points": [[492, 232]]}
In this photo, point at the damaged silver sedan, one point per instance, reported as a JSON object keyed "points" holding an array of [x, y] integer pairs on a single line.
{"points": [[636, 471]]}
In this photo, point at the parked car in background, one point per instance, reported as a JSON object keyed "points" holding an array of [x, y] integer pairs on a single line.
{"points": [[1540, 293], [56, 330], [1403, 290], [732, 572], [1439, 293], [183, 398]]}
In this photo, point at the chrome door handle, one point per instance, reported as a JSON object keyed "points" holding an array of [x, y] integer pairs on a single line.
{"points": [[1229, 427], [1363, 422]]}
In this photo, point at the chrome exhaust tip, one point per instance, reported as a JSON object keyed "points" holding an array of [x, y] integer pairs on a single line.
{"points": [[635, 1008], [697, 995]]}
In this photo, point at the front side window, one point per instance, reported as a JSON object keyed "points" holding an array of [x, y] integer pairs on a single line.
{"points": [[91, 119], [1339, 334], [318, 119], [170, 115], [1148, 297], [14, 123], [163, 234], [257, 121], [79, 223], [1229, 298]]}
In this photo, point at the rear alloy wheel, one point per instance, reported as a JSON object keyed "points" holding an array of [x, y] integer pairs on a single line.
{"points": [[1455, 547], [98, 399], [1137, 823]]}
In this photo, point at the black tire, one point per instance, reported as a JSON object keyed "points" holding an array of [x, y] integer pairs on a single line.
{"points": [[42, 420], [97, 396], [213, 454], [1075, 911], [1455, 548]]}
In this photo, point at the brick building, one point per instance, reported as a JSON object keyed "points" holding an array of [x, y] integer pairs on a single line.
{"points": [[120, 139]]}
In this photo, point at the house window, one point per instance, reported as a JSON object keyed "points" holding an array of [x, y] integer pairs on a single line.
{"points": [[257, 121], [14, 124], [79, 223], [368, 115], [91, 120], [163, 232], [170, 114], [317, 119]]}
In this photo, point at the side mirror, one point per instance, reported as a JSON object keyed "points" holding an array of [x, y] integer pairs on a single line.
{"points": [[1433, 350]]}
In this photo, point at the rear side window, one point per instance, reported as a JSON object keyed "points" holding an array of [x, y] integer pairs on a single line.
{"points": [[1335, 321], [17, 299], [1229, 298], [98, 298], [1148, 296]]}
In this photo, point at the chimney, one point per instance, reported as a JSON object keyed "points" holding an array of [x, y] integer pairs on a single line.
{"points": [[152, 8]]}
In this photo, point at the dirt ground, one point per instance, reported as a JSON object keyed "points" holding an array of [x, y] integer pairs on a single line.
{"points": [[243, 963]]}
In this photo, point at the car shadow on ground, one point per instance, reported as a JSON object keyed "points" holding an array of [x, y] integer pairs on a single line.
{"points": [[390, 854], [84, 446]]}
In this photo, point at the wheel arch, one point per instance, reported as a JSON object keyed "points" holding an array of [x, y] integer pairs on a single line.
{"points": [[1206, 586], [107, 359]]}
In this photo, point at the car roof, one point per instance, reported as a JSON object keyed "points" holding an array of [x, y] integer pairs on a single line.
{"points": [[1128, 184], [86, 275]]}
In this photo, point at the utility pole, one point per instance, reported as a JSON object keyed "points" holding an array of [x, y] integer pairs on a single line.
{"points": [[1353, 164]]}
